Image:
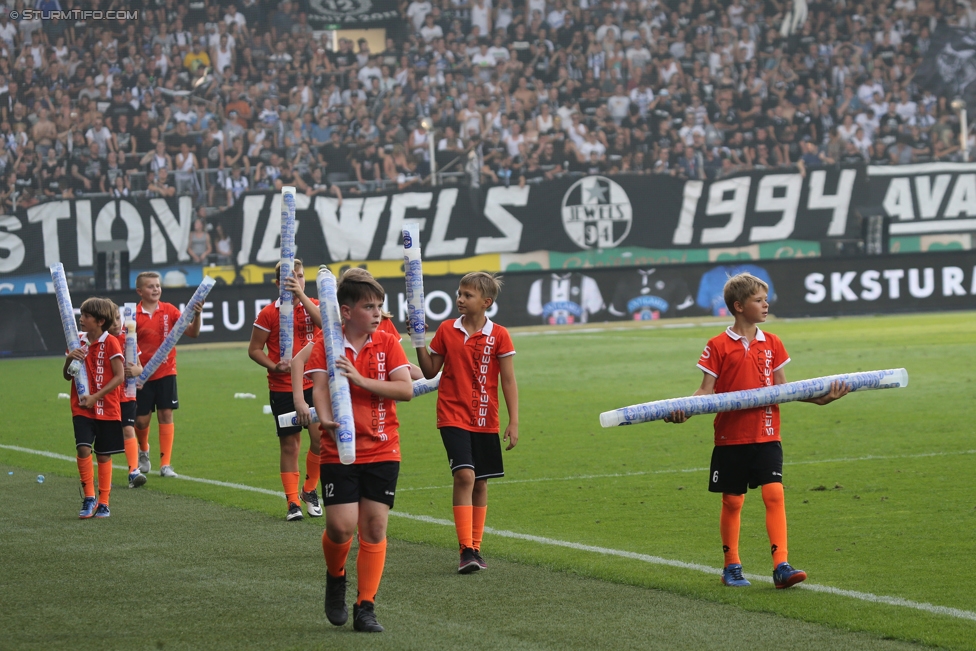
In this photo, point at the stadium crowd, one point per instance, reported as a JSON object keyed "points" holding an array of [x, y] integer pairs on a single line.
{"points": [[214, 98]]}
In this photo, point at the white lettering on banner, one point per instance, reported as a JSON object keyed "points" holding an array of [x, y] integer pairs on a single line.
{"points": [[399, 203], [735, 207], [930, 196], [135, 235], [49, 214], [236, 325], [952, 281], [270, 251], [767, 201], [685, 231], [921, 291], [897, 201], [12, 244], [510, 227], [840, 202], [894, 277], [207, 313], [250, 212], [963, 199], [83, 233], [840, 286], [439, 244], [349, 231], [177, 229], [442, 296], [921, 284], [872, 288]]}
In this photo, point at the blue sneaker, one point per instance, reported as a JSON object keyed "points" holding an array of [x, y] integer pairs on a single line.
{"points": [[88, 508], [102, 511], [136, 479], [732, 576], [784, 576]]}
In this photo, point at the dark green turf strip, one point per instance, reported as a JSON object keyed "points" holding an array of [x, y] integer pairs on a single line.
{"points": [[171, 572]]}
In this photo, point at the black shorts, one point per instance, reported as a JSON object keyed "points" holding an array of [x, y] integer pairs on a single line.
{"points": [[736, 468], [102, 436], [479, 452], [158, 394], [348, 484], [129, 413], [282, 402]]}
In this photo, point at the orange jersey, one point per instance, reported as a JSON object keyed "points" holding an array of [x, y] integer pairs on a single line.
{"points": [[305, 331], [737, 367], [377, 427], [386, 325], [151, 330], [467, 397], [98, 364], [121, 338]]}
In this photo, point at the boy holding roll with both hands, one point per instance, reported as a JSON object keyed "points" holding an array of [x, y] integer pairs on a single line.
{"points": [[748, 452]]}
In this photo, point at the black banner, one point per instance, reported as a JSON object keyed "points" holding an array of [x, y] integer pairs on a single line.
{"points": [[924, 199], [949, 66], [352, 14], [30, 325], [568, 216]]}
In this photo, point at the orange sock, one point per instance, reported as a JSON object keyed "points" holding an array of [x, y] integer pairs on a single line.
{"points": [[462, 522], [775, 521], [289, 480], [312, 469], [729, 526], [478, 514], [369, 569], [104, 480], [131, 454], [335, 554], [86, 472], [166, 443], [142, 435]]}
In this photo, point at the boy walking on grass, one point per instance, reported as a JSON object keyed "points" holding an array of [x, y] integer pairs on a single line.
{"points": [[473, 351], [96, 417], [358, 496], [748, 452], [267, 333], [154, 320]]}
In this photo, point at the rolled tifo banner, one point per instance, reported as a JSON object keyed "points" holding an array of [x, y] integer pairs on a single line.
{"points": [[338, 384], [70, 326], [750, 399], [179, 328], [131, 349], [420, 388], [413, 273], [286, 316]]}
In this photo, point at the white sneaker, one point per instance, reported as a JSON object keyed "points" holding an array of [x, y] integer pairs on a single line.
{"points": [[167, 471], [311, 499], [144, 465]]}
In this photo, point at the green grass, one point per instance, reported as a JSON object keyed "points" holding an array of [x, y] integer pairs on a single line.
{"points": [[898, 525], [240, 579]]}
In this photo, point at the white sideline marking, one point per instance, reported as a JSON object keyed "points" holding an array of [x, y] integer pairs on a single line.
{"points": [[605, 551], [641, 473]]}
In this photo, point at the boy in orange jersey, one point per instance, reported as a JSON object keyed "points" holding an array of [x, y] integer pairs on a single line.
{"points": [[96, 417], [266, 333], [473, 351], [359, 495], [154, 320], [127, 407], [748, 452]]}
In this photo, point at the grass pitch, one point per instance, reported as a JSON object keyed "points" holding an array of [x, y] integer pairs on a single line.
{"points": [[879, 488]]}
